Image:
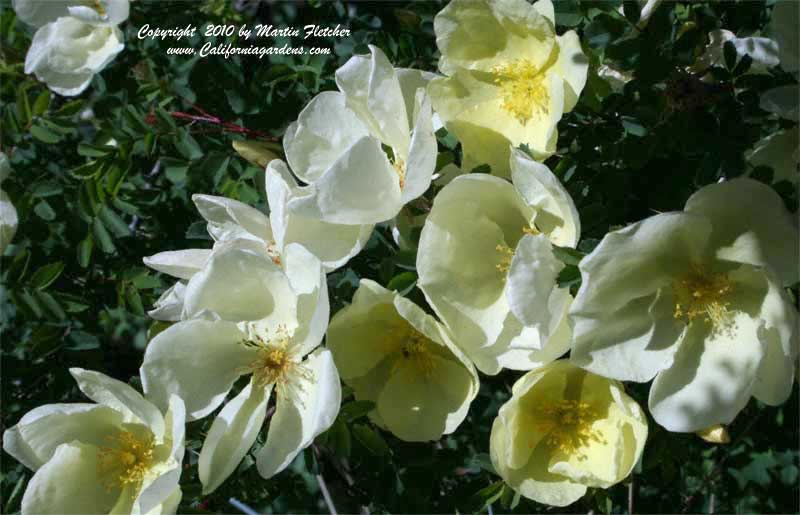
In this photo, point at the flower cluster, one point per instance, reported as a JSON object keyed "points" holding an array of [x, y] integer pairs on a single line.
{"points": [[74, 40], [694, 301]]}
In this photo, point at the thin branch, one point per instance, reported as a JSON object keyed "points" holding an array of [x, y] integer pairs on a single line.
{"points": [[630, 495], [711, 504], [326, 494], [242, 507]]}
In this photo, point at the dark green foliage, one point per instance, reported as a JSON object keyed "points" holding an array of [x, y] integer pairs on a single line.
{"points": [[74, 290]]}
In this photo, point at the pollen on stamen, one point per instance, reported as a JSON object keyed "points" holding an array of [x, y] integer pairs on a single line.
{"points": [[569, 424], [275, 363], [400, 167], [126, 460], [703, 295], [273, 253], [522, 89], [415, 353], [97, 5]]}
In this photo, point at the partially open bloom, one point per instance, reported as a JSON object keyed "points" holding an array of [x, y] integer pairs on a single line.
{"points": [[695, 299], [246, 315], [394, 354], [487, 267], [337, 144], [228, 220], [564, 430], [510, 77], [66, 53], [42, 12], [120, 455], [8, 213]]}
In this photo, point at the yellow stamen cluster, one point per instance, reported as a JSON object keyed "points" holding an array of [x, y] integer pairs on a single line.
{"points": [[702, 293], [522, 88], [415, 350], [400, 167], [569, 423], [276, 364], [126, 460], [507, 253]]}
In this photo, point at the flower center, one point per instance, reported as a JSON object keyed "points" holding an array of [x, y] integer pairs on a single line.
{"points": [[570, 425], [126, 460], [702, 293], [400, 167], [507, 253], [275, 363], [273, 253], [415, 353], [522, 89]]}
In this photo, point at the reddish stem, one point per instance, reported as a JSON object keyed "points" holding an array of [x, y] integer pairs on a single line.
{"points": [[214, 120]]}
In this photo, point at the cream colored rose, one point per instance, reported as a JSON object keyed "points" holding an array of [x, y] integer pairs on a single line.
{"points": [[565, 430], [244, 314], [509, 78], [120, 455], [487, 267], [392, 353], [337, 144], [694, 300], [66, 53]]}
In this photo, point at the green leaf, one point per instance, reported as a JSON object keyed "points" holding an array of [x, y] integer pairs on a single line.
{"points": [[730, 54], [44, 135], [87, 150], [355, 410], [487, 496], [370, 439], [102, 237], [403, 282], [338, 439], [85, 251], [187, 145], [568, 255], [113, 221], [44, 276], [41, 103], [133, 300]]}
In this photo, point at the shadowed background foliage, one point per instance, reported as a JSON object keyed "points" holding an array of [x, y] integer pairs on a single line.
{"points": [[74, 291]]}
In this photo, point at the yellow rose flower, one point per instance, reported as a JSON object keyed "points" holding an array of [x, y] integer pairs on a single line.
{"points": [[509, 77], [564, 430], [392, 353]]}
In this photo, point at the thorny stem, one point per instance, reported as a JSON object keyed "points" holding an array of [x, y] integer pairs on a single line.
{"points": [[204, 117]]}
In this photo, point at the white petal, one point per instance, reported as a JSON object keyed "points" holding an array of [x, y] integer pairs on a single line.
{"points": [[782, 101], [35, 437], [324, 130], [121, 397], [297, 421], [781, 152], [182, 264], [333, 244], [8, 221], [422, 153], [573, 66], [361, 187], [711, 379], [198, 360], [169, 305], [783, 25], [750, 225], [241, 282], [546, 9], [70, 483], [410, 81], [228, 218], [556, 214], [372, 90], [633, 344], [532, 279], [307, 278], [231, 435]]}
